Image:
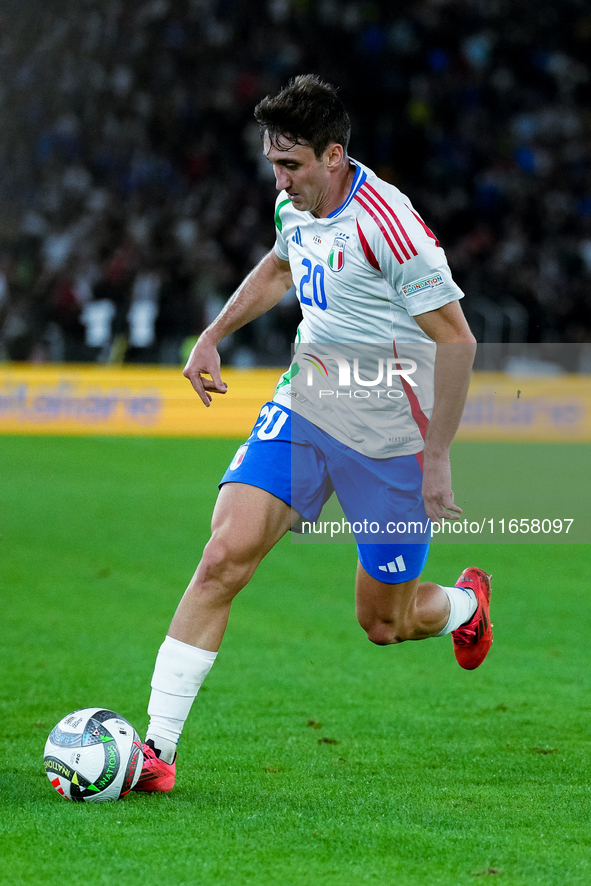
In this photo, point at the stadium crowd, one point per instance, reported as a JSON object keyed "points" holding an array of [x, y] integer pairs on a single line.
{"points": [[134, 195]]}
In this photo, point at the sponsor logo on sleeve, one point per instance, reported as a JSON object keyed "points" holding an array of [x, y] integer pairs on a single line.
{"points": [[410, 289]]}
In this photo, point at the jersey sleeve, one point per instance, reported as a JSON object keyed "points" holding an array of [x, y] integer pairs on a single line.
{"points": [[408, 255], [280, 239]]}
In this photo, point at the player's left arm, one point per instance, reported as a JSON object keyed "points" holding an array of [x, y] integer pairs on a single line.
{"points": [[456, 347]]}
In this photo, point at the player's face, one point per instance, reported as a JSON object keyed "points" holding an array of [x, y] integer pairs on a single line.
{"points": [[306, 179]]}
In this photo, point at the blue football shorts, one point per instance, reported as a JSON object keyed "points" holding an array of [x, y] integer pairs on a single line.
{"points": [[303, 465]]}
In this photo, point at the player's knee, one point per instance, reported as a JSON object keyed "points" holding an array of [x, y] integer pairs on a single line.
{"points": [[224, 566], [384, 632]]}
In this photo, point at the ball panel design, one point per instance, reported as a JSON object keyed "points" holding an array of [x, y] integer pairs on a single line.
{"points": [[134, 767]]}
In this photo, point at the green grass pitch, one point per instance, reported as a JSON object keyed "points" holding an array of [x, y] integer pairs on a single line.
{"points": [[311, 757]]}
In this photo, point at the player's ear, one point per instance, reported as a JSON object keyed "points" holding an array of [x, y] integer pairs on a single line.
{"points": [[334, 156]]}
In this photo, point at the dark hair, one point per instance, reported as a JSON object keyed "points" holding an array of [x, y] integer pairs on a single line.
{"points": [[306, 111]]}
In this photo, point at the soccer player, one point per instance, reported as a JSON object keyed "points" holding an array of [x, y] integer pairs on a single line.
{"points": [[366, 269]]}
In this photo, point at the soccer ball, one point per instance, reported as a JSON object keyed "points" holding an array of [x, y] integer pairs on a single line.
{"points": [[93, 755]]}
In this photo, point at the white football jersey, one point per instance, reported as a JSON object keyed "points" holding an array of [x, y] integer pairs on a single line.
{"points": [[361, 275]]}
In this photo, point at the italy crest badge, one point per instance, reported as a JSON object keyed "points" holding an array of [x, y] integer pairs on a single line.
{"points": [[336, 256]]}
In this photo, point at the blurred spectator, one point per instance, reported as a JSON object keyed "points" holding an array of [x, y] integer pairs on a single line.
{"points": [[97, 317], [135, 195]]}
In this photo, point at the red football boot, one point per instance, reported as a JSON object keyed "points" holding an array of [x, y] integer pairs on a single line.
{"points": [[473, 640], [156, 775]]}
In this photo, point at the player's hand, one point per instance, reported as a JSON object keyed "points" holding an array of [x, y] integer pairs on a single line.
{"points": [[437, 492], [204, 360]]}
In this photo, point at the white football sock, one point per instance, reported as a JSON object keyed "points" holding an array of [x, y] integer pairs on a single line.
{"points": [[462, 606], [179, 672]]}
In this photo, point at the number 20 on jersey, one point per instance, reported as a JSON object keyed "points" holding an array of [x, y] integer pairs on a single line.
{"points": [[313, 281]]}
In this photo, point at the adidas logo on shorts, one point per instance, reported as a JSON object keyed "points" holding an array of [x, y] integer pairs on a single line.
{"points": [[396, 565]]}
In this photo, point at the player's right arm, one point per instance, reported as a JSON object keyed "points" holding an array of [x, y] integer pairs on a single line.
{"points": [[263, 288]]}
